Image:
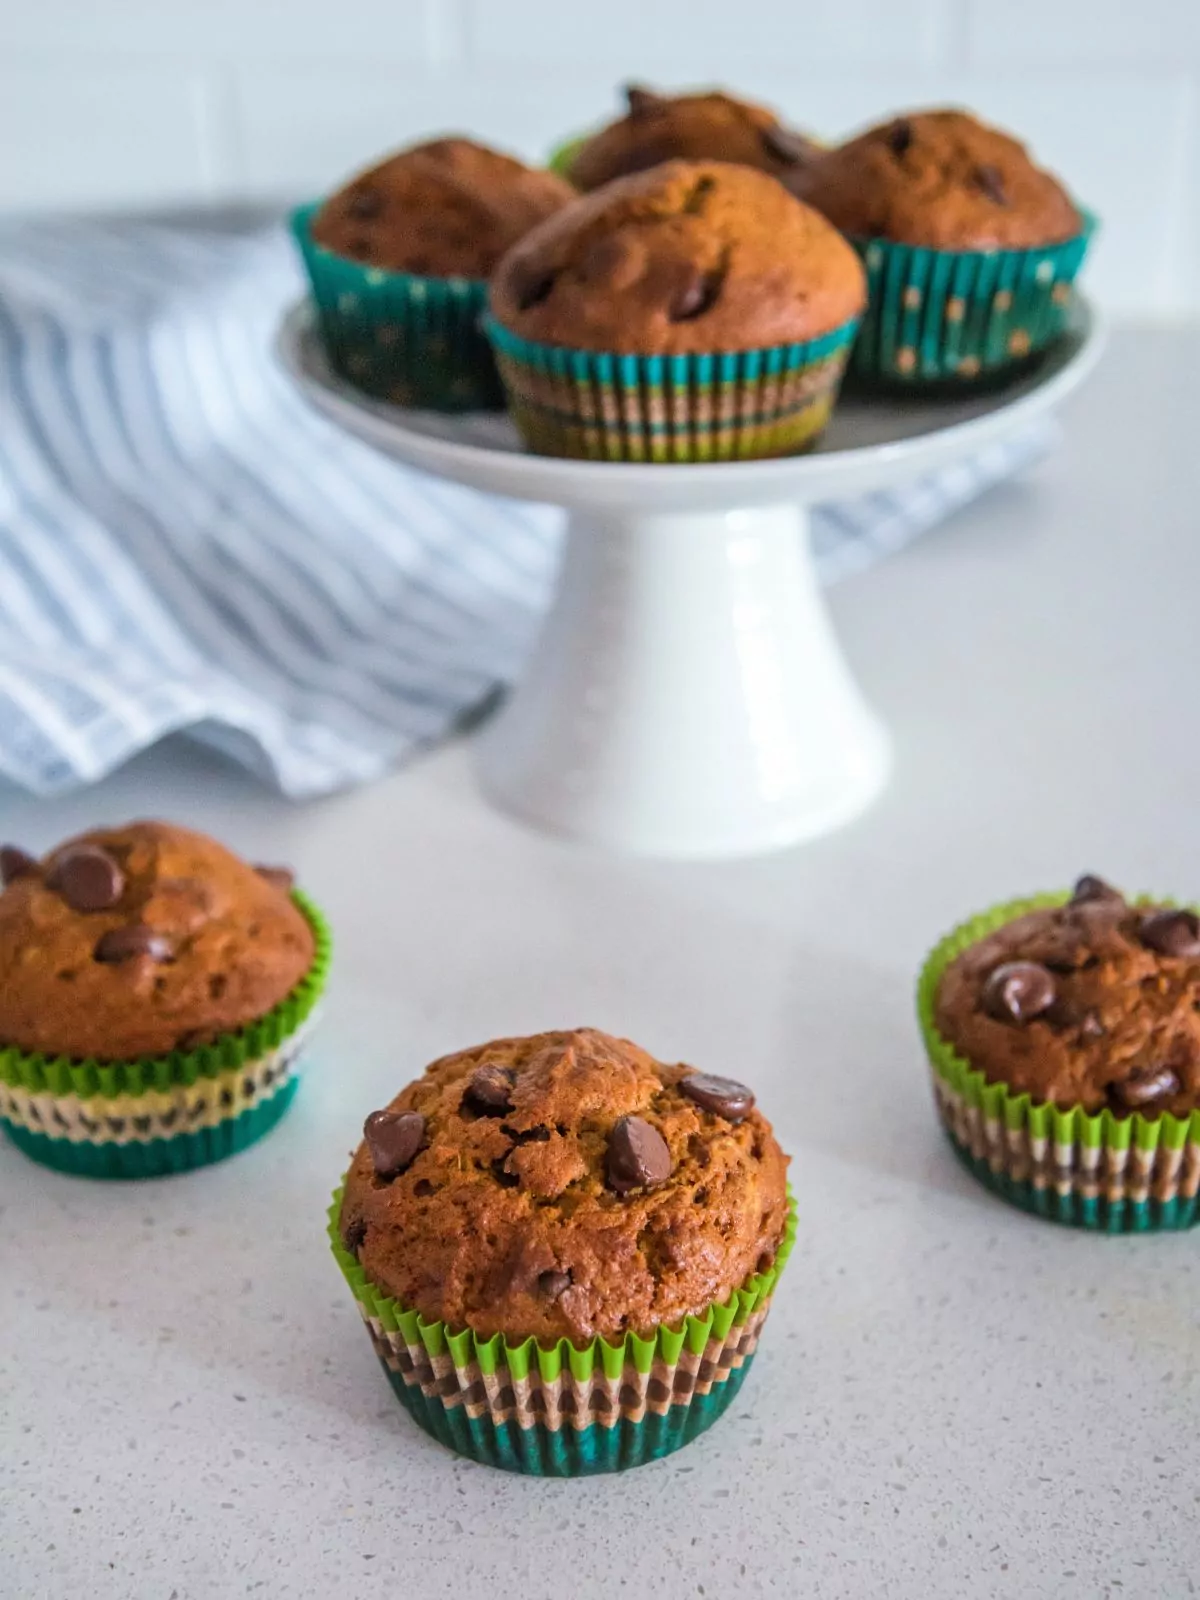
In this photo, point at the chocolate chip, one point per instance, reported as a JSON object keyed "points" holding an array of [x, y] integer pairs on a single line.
{"points": [[785, 145], [1018, 991], [364, 204], [1171, 933], [133, 940], [490, 1091], [989, 180], [724, 1097], [87, 878], [638, 1157], [15, 863], [899, 137], [1089, 888], [552, 1284], [393, 1139], [1145, 1088], [278, 877], [696, 297], [530, 286], [642, 102], [353, 1235]]}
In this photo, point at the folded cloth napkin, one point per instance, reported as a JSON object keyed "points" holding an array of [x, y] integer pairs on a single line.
{"points": [[186, 545]]}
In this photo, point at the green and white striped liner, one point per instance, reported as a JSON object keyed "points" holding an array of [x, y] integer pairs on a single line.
{"points": [[164, 1114], [564, 1411], [1097, 1170]]}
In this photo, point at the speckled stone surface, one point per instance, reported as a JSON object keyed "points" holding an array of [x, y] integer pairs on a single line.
{"points": [[952, 1401]]}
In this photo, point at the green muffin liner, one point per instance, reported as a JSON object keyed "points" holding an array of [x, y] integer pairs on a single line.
{"points": [[564, 1411], [938, 315], [156, 1115], [411, 340], [1097, 1170], [600, 406]]}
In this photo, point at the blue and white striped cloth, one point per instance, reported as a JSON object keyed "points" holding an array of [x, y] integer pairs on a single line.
{"points": [[186, 545]]}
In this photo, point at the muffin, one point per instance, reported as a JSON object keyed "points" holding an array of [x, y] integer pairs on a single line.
{"points": [[154, 994], [710, 126], [1064, 1035], [971, 249], [564, 1249], [696, 311], [399, 261]]}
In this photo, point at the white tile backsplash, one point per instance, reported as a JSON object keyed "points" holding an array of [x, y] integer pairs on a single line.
{"points": [[159, 100]]}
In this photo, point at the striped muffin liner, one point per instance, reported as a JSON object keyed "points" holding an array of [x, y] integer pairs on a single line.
{"points": [[413, 341], [152, 1116], [563, 1411], [1097, 1170], [599, 406], [956, 315]]}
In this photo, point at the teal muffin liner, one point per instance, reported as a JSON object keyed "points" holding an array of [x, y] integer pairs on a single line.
{"points": [[957, 315], [565, 1411], [1095, 1170], [157, 1115], [738, 405], [411, 340]]}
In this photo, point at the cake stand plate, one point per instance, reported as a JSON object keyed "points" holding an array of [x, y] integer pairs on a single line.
{"points": [[686, 696]]}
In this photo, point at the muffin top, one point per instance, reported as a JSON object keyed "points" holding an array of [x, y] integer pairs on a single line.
{"points": [[690, 256], [140, 940], [446, 209], [689, 127], [1093, 1003], [564, 1185], [939, 179]]}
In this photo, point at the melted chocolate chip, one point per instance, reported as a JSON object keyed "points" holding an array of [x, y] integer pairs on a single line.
{"points": [[531, 285], [1018, 991], [15, 863], [1171, 933], [642, 102], [354, 1234], [1144, 1088], [278, 877], [637, 1157], [989, 180], [363, 204], [1089, 888], [490, 1091], [393, 1139], [724, 1097], [899, 137], [133, 940], [87, 878], [790, 148], [552, 1284], [698, 295]]}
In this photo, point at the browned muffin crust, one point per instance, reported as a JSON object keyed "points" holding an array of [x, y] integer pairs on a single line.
{"points": [[706, 126], [939, 179], [690, 256], [1090, 1004], [446, 209], [135, 941], [513, 1210]]}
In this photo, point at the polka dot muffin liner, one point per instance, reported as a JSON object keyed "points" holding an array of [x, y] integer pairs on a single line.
{"points": [[729, 406], [563, 1411], [164, 1114], [1097, 1170], [410, 340], [939, 315]]}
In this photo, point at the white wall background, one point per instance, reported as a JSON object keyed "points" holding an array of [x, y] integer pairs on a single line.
{"points": [[144, 102]]}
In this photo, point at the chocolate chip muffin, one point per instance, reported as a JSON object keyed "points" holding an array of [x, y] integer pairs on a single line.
{"points": [[445, 209], [153, 995], [564, 1186], [709, 126]]}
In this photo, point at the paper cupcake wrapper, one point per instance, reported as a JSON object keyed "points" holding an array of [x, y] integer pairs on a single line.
{"points": [[1131, 1174], [724, 407], [410, 340], [156, 1115], [939, 315], [564, 1411]]}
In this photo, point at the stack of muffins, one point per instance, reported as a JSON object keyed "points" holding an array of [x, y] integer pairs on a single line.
{"points": [[690, 282]]}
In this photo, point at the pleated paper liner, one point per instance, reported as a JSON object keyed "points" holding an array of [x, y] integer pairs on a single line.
{"points": [[157, 1115], [937, 316], [733, 406], [565, 1411], [1113, 1174], [413, 341]]}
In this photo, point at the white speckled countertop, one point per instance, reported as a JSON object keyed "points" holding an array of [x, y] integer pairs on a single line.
{"points": [[951, 1399]]}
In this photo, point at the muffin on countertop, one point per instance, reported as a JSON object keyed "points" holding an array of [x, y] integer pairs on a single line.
{"points": [[708, 126], [941, 179], [566, 1185], [449, 208]]}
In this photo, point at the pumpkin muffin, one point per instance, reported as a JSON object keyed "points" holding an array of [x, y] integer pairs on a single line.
{"points": [[566, 1186]]}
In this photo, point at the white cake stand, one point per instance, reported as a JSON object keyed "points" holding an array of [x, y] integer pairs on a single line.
{"points": [[687, 696]]}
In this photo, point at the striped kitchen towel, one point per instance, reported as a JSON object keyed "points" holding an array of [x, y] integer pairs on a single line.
{"points": [[185, 545]]}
